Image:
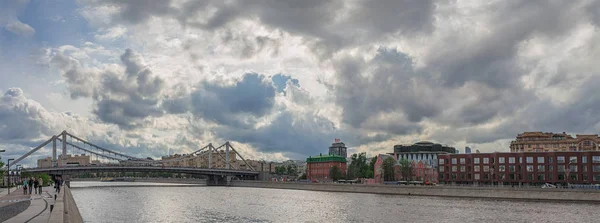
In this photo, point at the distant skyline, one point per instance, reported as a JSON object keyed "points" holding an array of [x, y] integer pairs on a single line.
{"points": [[283, 79]]}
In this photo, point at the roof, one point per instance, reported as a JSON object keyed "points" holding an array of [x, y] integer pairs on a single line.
{"points": [[325, 158]]}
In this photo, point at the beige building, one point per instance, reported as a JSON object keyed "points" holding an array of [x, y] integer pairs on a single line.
{"points": [[554, 142], [79, 160], [201, 160]]}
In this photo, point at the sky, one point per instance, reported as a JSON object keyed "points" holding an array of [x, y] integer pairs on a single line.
{"points": [[282, 79]]}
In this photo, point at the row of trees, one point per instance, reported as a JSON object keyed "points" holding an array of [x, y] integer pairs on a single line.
{"points": [[406, 169], [360, 167], [291, 170]]}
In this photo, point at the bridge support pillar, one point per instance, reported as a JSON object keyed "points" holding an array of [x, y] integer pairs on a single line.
{"points": [[64, 147], [227, 155], [215, 180], [54, 151]]}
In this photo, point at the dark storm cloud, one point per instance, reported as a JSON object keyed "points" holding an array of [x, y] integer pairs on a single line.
{"points": [[252, 96], [122, 98], [392, 85]]}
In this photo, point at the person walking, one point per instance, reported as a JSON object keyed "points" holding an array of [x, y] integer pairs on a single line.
{"points": [[41, 184], [30, 185], [36, 183], [25, 187], [57, 184]]}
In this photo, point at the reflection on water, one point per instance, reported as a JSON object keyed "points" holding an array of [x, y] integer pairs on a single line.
{"points": [[229, 204]]}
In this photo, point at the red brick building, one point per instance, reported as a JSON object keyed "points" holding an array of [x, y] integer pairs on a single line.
{"points": [[317, 168], [529, 168]]}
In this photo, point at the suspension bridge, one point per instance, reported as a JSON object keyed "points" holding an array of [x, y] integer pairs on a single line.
{"points": [[217, 174]]}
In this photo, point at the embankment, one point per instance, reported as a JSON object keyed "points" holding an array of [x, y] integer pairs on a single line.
{"points": [[65, 209], [527, 194]]}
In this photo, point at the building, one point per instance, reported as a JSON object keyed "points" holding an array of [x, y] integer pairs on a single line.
{"points": [[317, 167], [526, 168], [424, 151], [378, 167], [467, 150], [78, 160], [338, 149], [217, 159], [554, 142]]}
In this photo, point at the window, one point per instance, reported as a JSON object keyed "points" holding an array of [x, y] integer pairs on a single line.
{"points": [[573, 176], [511, 160], [573, 159], [476, 176], [520, 159], [529, 146], [584, 177], [541, 168], [596, 177], [462, 160], [584, 159], [529, 159], [550, 177], [529, 176], [501, 168], [486, 168], [453, 160], [555, 145], [540, 159], [511, 169], [501, 159], [476, 160], [454, 168], [560, 159], [463, 169], [442, 168], [550, 168], [512, 176], [541, 177], [441, 161], [549, 159], [584, 169], [596, 168], [453, 176], [572, 168], [486, 160], [561, 176], [476, 168], [529, 168], [502, 176], [595, 159], [561, 168], [486, 176]]}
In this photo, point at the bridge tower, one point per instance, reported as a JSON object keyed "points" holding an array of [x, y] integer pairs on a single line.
{"points": [[64, 147], [54, 161]]}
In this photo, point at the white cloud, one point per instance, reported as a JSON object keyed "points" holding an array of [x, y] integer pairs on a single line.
{"points": [[19, 28]]}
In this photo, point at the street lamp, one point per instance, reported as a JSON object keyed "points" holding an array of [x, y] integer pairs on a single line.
{"points": [[8, 172]]}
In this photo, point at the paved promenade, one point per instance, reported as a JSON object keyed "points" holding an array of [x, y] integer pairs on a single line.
{"points": [[33, 208]]}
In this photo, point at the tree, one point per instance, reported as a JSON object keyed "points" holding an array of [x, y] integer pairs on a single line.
{"points": [[281, 170], [358, 167], [302, 177], [406, 169], [371, 172], [1, 167], [388, 169], [335, 173], [291, 170]]}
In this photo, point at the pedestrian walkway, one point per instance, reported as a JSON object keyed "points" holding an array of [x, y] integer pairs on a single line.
{"points": [[39, 209]]}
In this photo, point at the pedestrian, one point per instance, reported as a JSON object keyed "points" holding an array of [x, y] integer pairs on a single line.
{"points": [[25, 187], [57, 183], [41, 182], [36, 183], [30, 184]]}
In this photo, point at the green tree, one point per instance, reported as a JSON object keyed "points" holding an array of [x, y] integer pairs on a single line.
{"points": [[388, 169], [281, 170], [302, 177], [358, 167], [371, 172], [406, 169], [1, 167], [291, 170], [335, 173]]}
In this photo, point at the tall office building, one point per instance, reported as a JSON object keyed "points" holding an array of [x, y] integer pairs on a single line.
{"points": [[467, 150], [338, 148]]}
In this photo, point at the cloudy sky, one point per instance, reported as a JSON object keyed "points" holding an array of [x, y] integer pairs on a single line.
{"points": [[282, 79]]}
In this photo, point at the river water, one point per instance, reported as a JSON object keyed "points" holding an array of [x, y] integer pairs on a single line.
{"points": [[114, 203]]}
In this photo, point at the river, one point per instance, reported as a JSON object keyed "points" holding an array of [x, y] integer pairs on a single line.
{"points": [[110, 202]]}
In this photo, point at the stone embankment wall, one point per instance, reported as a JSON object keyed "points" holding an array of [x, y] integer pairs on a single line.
{"points": [[154, 180], [65, 208], [533, 194]]}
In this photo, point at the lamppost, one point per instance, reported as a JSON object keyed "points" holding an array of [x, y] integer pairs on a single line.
{"points": [[1, 151], [8, 171], [568, 171]]}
